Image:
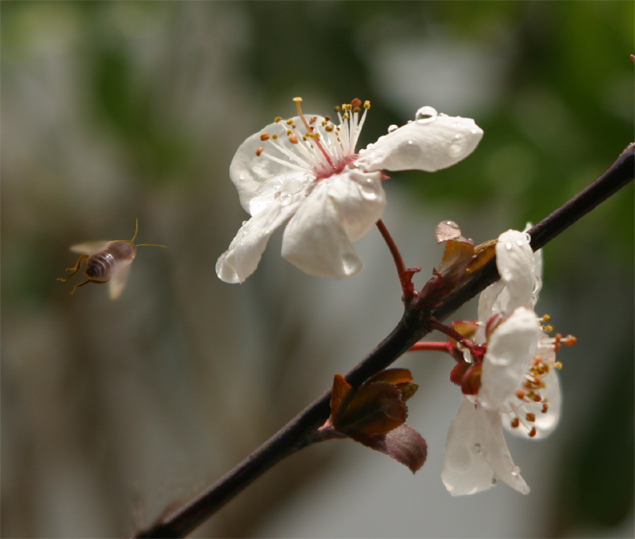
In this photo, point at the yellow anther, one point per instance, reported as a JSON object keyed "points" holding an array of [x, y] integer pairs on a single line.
{"points": [[546, 318], [547, 328], [289, 121], [259, 150], [366, 105], [346, 116], [277, 119], [293, 139], [264, 136], [328, 128], [274, 137], [338, 108], [297, 99], [289, 131], [558, 365]]}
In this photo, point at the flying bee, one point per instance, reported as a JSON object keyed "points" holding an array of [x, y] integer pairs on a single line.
{"points": [[107, 262]]}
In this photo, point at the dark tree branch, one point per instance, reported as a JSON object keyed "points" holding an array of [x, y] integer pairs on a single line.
{"points": [[412, 327]]}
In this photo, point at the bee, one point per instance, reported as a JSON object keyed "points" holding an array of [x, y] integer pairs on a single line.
{"points": [[106, 262]]}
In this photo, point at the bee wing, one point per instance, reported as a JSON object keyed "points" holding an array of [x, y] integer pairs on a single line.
{"points": [[118, 281], [89, 247]]}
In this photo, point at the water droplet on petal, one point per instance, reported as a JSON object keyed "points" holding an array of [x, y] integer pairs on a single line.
{"points": [[290, 187], [285, 199], [241, 178], [392, 128], [508, 246], [368, 189], [426, 114], [477, 449], [520, 243], [516, 471], [457, 148], [447, 230]]}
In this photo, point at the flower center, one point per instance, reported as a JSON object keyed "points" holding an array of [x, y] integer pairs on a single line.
{"points": [[320, 148]]}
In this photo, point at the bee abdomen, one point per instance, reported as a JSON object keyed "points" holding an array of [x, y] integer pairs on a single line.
{"points": [[100, 265]]}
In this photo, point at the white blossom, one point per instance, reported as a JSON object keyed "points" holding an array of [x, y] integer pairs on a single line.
{"points": [[306, 170], [519, 383]]}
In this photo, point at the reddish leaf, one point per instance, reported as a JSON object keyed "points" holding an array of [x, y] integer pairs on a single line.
{"points": [[483, 253], [376, 408], [456, 258], [341, 394], [404, 444], [401, 378]]}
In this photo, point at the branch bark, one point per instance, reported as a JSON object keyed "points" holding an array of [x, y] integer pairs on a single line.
{"points": [[299, 432]]}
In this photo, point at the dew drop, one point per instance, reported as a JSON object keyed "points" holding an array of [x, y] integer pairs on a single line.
{"points": [[241, 178], [368, 189], [520, 243], [290, 187], [426, 115], [457, 148], [477, 449], [285, 199], [392, 128], [494, 481], [447, 230], [516, 471]]}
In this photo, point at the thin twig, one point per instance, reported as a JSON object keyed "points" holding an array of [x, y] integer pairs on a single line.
{"points": [[410, 329]]}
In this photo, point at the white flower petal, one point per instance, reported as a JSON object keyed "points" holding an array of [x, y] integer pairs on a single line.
{"points": [[476, 453], [509, 353], [495, 450], [516, 266], [427, 144], [245, 251], [465, 470], [490, 302], [360, 200], [318, 240], [249, 171]]}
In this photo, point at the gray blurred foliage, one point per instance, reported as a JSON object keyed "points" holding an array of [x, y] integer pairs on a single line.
{"points": [[112, 412]]}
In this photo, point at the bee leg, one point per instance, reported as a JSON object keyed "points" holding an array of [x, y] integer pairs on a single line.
{"points": [[75, 269], [86, 282]]}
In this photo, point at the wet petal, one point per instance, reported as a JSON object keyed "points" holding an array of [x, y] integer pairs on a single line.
{"points": [[476, 453], [428, 144], [319, 238], [517, 268], [465, 470], [496, 452], [245, 251], [510, 351]]}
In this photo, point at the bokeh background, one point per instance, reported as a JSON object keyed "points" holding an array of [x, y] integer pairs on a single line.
{"points": [[115, 412]]}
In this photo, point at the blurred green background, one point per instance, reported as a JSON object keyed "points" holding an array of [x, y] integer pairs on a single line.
{"points": [[114, 411]]}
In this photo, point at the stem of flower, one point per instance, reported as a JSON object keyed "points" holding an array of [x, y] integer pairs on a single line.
{"points": [[428, 346], [405, 274], [476, 349], [412, 327]]}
